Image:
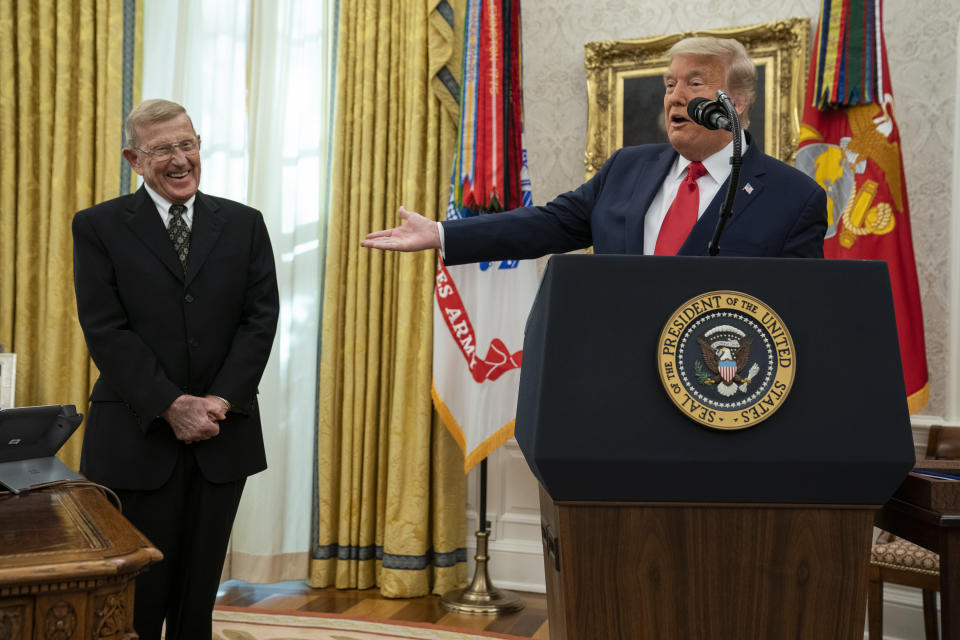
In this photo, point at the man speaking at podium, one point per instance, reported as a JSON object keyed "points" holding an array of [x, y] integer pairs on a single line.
{"points": [[656, 199]]}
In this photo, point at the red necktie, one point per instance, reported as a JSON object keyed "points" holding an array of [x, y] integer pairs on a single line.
{"points": [[682, 214]]}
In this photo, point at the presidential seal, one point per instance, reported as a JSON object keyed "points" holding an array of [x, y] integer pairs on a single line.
{"points": [[726, 360]]}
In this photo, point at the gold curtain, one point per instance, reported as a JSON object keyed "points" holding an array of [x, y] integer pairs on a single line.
{"points": [[62, 86], [391, 489]]}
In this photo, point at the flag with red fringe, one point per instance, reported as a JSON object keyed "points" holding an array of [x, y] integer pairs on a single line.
{"points": [[850, 144], [481, 309]]}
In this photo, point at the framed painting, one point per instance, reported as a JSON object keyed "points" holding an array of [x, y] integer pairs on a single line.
{"points": [[625, 88], [8, 377]]}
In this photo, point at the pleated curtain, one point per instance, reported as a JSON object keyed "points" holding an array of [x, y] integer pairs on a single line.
{"points": [[67, 78], [391, 489]]}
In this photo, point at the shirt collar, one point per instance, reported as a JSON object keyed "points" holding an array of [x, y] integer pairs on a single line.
{"points": [[163, 205], [717, 165]]}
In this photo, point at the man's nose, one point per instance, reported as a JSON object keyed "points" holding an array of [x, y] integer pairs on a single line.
{"points": [[179, 156], [681, 95]]}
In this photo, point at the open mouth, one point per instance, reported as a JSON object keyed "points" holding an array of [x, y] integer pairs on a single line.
{"points": [[677, 118], [179, 175]]}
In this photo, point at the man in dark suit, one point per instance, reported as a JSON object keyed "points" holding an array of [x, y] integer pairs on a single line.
{"points": [[632, 205], [177, 297]]}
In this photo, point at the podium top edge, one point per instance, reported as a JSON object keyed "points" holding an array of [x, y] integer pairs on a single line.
{"points": [[620, 257]]}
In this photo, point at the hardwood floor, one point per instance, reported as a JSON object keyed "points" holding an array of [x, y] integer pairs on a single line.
{"points": [[530, 622]]}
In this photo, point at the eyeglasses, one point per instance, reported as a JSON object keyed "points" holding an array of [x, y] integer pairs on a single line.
{"points": [[162, 152]]}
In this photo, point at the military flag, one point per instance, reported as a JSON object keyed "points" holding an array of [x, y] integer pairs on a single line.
{"points": [[480, 309], [850, 144]]}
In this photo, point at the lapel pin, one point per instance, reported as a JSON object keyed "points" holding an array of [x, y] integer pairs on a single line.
{"points": [[748, 188]]}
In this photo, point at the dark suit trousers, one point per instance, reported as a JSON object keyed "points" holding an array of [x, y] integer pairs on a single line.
{"points": [[189, 519]]}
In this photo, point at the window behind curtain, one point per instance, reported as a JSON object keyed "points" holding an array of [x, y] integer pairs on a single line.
{"points": [[256, 77]]}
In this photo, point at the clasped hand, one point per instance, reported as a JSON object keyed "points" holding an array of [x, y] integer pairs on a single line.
{"points": [[193, 418]]}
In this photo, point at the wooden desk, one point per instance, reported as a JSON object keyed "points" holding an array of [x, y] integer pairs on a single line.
{"points": [[67, 565], [926, 511]]}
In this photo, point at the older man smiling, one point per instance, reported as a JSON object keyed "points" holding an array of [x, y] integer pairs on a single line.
{"points": [[177, 298]]}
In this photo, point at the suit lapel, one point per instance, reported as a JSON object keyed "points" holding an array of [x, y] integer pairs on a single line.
{"points": [[145, 222], [650, 176], [750, 187], [207, 224]]}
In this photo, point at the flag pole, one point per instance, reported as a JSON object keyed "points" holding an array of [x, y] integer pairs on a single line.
{"points": [[488, 72], [481, 597]]}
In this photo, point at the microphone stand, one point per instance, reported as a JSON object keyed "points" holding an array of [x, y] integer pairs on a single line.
{"points": [[735, 160]]}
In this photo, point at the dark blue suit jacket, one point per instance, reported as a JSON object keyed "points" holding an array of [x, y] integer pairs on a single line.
{"points": [[778, 212]]}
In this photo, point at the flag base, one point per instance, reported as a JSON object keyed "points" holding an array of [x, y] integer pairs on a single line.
{"points": [[481, 596]]}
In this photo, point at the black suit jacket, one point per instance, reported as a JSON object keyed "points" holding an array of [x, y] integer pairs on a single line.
{"points": [[156, 333], [778, 211]]}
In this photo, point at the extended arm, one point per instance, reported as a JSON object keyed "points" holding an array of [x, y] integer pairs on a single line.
{"points": [[415, 233]]}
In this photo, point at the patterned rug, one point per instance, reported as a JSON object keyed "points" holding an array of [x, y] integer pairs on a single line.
{"points": [[237, 623]]}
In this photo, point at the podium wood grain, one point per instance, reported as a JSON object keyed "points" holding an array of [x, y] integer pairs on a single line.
{"points": [[67, 565], [719, 572]]}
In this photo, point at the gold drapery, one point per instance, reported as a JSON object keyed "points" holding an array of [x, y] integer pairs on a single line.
{"points": [[391, 489], [61, 115]]}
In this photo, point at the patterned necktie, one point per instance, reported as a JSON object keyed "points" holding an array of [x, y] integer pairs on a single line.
{"points": [[179, 233], [682, 214]]}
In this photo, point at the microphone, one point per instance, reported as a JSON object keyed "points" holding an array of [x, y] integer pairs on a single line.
{"points": [[709, 113]]}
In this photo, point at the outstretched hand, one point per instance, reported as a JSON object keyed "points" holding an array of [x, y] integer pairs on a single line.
{"points": [[415, 234]]}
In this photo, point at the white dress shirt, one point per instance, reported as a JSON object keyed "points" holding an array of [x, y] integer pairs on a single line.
{"points": [[163, 207], [718, 170]]}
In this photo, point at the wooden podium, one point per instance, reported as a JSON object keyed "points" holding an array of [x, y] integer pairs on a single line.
{"points": [[704, 570], [68, 560], [656, 527]]}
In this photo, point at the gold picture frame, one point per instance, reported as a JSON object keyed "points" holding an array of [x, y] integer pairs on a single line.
{"points": [[624, 78]]}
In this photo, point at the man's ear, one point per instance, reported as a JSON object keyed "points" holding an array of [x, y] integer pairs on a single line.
{"points": [[739, 103], [133, 158]]}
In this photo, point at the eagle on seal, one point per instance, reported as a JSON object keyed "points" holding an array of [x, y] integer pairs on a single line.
{"points": [[726, 353]]}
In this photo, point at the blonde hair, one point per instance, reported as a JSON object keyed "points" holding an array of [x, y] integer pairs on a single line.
{"points": [[741, 72], [149, 112]]}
